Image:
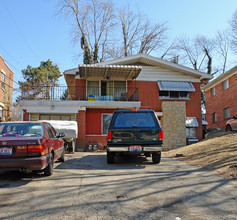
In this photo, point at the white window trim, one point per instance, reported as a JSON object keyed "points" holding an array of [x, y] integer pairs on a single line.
{"points": [[213, 91], [99, 80], [168, 97], [102, 123], [3, 73], [225, 85]]}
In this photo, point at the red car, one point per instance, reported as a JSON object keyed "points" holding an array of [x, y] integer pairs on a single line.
{"points": [[30, 146]]}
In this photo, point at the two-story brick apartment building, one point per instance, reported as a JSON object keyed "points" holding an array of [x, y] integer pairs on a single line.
{"points": [[6, 80], [220, 98], [139, 81]]}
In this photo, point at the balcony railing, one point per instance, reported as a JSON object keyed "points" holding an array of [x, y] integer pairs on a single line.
{"points": [[80, 93]]}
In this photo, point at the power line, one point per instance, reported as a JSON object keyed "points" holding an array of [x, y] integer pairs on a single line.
{"points": [[18, 28]]}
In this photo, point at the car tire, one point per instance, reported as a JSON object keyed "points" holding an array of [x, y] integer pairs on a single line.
{"points": [[62, 158], [110, 157], [156, 157], [228, 128], [147, 154], [48, 171]]}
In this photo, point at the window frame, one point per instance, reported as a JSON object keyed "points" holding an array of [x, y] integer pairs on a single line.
{"points": [[1, 111], [213, 91], [3, 79], [173, 92], [103, 130], [225, 85], [214, 117], [188, 133], [111, 92], [226, 112]]}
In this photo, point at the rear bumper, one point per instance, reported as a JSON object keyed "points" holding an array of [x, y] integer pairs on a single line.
{"points": [[144, 149], [34, 163]]}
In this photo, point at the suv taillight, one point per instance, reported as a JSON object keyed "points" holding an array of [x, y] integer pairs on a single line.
{"points": [[109, 136], [160, 135]]}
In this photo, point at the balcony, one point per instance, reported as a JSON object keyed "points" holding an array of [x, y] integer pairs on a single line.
{"points": [[80, 93]]}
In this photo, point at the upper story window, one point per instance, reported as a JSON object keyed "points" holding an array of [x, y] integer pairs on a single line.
{"points": [[225, 84], [175, 89], [174, 94], [213, 91], [2, 80], [107, 90]]}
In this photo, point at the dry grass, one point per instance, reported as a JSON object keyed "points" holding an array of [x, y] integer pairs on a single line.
{"points": [[217, 153]]}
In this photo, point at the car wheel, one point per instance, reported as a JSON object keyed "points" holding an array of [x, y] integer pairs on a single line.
{"points": [[228, 128], [156, 157], [62, 158], [110, 157], [48, 171], [147, 154]]}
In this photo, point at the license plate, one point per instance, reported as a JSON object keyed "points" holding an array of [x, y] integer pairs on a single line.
{"points": [[135, 148], [6, 151]]}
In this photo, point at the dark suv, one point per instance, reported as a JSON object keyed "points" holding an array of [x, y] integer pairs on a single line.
{"points": [[134, 132]]}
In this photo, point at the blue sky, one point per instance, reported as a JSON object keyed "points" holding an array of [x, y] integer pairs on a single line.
{"points": [[31, 31]]}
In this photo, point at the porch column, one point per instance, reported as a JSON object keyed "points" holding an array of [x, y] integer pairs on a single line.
{"points": [[81, 123]]}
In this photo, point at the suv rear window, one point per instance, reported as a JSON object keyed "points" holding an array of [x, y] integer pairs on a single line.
{"points": [[134, 119]]}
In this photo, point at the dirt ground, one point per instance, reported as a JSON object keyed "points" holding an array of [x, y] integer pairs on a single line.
{"points": [[217, 153]]}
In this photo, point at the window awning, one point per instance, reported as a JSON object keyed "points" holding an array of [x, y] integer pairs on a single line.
{"points": [[108, 71], [176, 86], [191, 122]]}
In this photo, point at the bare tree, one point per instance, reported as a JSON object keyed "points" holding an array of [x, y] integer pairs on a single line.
{"points": [[197, 52], [233, 24], [16, 112], [139, 34], [206, 46], [222, 42], [93, 19]]}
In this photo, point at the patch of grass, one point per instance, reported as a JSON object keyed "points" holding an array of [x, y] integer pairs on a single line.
{"points": [[217, 153]]}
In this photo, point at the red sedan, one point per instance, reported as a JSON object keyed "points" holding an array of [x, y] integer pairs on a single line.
{"points": [[30, 146]]}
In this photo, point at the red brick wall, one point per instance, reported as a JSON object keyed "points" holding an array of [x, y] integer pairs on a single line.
{"points": [[80, 89], [222, 99], [26, 116], [149, 97], [6, 94], [81, 121], [94, 120]]}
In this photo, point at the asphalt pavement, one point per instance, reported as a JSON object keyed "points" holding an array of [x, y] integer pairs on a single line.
{"points": [[86, 187]]}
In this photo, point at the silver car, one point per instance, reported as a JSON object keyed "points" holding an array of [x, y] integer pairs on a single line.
{"points": [[231, 125]]}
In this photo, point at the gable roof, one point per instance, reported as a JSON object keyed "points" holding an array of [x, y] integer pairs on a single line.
{"points": [[220, 78], [151, 61]]}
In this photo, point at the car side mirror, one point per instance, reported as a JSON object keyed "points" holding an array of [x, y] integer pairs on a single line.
{"points": [[60, 135]]}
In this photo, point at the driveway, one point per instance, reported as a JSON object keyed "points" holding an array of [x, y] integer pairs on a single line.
{"points": [[86, 187]]}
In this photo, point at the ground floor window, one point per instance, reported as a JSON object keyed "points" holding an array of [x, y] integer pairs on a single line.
{"points": [[226, 113], [106, 118], [1, 112], [214, 120], [54, 117], [190, 132]]}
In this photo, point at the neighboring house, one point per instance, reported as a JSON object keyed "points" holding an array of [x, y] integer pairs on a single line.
{"points": [[220, 99], [139, 81], [6, 80]]}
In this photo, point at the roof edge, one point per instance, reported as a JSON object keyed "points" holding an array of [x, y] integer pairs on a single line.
{"points": [[220, 78]]}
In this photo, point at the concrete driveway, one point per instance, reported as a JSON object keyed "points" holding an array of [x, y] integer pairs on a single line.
{"points": [[86, 187]]}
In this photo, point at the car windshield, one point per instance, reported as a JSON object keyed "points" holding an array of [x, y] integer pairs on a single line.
{"points": [[134, 119], [21, 130]]}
